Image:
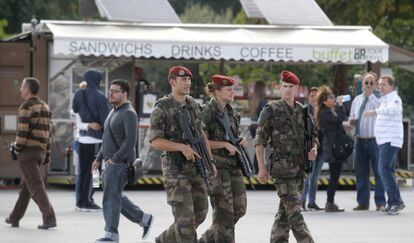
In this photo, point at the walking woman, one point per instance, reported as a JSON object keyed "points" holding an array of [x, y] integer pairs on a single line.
{"points": [[311, 182], [329, 118], [228, 199]]}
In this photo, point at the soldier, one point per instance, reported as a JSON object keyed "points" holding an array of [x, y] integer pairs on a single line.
{"points": [[186, 191], [282, 123], [229, 192]]}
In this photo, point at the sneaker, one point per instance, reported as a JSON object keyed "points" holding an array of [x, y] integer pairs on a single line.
{"points": [[91, 208], [395, 210], [147, 228], [314, 206], [402, 206], [385, 209], [332, 208], [380, 208], [79, 208], [361, 208], [105, 239]]}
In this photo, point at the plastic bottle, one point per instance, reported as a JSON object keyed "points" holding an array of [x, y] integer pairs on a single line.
{"points": [[95, 178]]}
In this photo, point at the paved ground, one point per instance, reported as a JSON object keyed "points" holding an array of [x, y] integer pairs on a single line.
{"points": [[347, 227]]}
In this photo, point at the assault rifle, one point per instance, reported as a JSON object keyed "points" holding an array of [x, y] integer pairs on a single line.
{"points": [[198, 145], [308, 137], [245, 163]]}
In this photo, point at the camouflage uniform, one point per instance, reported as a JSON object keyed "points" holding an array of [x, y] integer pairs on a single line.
{"points": [[229, 192], [286, 166], [186, 191]]}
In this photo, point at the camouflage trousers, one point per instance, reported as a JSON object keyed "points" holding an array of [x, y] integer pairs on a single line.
{"points": [[229, 205], [289, 215], [187, 195]]}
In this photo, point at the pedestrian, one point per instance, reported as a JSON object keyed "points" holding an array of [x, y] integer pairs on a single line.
{"points": [[256, 104], [32, 147], [389, 133], [228, 199], [282, 123], [186, 191], [311, 181], [329, 119], [91, 105], [366, 148], [117, 151]]}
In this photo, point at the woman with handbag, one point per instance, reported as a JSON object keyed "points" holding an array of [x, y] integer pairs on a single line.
{"points": [[329, 118]]}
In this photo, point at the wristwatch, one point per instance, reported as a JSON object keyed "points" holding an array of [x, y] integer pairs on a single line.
{"points": [[213, 161]]}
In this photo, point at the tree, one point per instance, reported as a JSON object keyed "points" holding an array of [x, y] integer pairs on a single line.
{"points": [[20, 11], [392, 21], [198, 13], [3, 24]]}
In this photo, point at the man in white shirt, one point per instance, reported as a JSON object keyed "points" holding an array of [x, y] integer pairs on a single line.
{"points": [[366, 148], [389, 133]]}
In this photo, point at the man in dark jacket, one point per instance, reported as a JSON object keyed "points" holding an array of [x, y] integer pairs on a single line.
{"points": [[92, 107]]}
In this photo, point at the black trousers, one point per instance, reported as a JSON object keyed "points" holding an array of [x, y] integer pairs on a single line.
{"points": [[84, 190], [334, 174]]}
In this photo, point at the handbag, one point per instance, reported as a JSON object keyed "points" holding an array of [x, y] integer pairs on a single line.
{"points": [[342, 146], [133, 169]]}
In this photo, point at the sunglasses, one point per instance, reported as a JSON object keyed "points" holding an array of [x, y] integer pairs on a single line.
{"points": [[331, 97], [369, 83]]}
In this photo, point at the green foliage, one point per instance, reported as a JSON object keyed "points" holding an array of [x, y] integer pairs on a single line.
{"points": [[180, 6], [392, 21], [241, 18], [21, 11], [3, 24], [198, 13]]}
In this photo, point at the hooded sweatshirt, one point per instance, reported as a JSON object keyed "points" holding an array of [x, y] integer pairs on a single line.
{"points": [[91, 103]]}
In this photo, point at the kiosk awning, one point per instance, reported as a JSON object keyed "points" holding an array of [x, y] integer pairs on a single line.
{"points": [[336, 44]]}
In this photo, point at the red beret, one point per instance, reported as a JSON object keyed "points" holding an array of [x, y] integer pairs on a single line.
{"points": [[180, 71], [222, 80], [289, 77]]}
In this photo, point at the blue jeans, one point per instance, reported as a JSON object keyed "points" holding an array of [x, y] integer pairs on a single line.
{"points": [[366, 155], [114, 203], [386, 169], [311, 182]]}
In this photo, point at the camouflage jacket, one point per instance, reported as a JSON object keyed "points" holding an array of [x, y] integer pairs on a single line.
{"points": [[215, 131], [165, 123], [275, 126]]}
